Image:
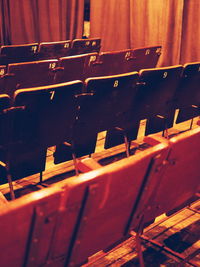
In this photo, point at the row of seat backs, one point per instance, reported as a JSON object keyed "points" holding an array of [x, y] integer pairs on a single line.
{"points": [[117, 104], [65, 224], [46, 72], [160, 92], [48, 50], [56, 114]]}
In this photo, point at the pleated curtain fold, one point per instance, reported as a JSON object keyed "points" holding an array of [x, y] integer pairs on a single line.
{"points": [[174, 24], [27, 21], [190, 42], [110, 20], [157, 22]]}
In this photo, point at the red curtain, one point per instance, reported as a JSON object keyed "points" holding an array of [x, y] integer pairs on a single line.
{"points": [[5, 22], [60, 19], [110, 20], [155, 22], [27, 21], [137, 23], [19, 19], [190, 46]]}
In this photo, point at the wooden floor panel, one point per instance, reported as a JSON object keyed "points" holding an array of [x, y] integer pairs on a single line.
{"points": [[174, 241]]}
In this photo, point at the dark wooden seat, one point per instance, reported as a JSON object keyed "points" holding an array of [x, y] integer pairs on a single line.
{"points": [[145, 57], [74, 67], [52, 110], [112, 100], [28, 74], [41, 117], [187, 95], [85, 46], [106, 105], [18, 53], [155, 98], [52, 50]]}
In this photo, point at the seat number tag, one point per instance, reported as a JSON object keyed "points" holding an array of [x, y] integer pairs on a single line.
{"points": [[52, 65], [92, 58], [34, 48], [66, 45], [147, 52], [52, 95], [2, 72], [158, 50], [165, 75], [127, 55], [116, 83]]}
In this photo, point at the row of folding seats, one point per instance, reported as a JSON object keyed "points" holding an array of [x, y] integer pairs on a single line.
{"points": [[65, 224], [46, 72], [70, 115], [117, 104], [47, 50]]}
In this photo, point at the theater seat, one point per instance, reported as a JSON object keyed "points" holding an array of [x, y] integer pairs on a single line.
{"points": [[74, 67], [29, 74], [18, 53], [54, 50], [27, 228], [155, 98], [51, 111], [187, 94], [10, 137], [19, 156], [49, 117], [41, 117], [145, 57], [105, 105], [177, 182], [85, 46]]}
